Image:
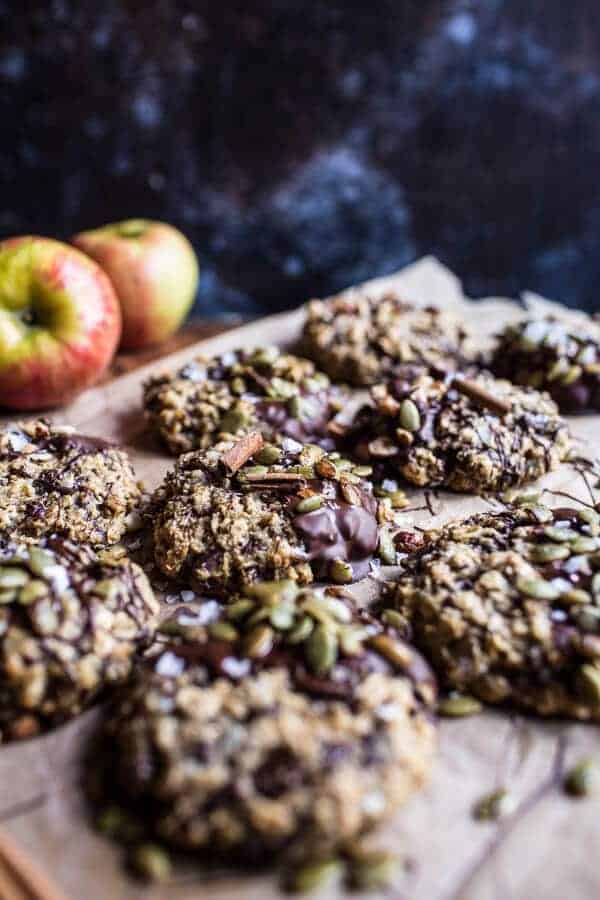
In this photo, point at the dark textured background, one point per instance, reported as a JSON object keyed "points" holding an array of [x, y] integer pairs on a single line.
{"points": [[306, 145]]}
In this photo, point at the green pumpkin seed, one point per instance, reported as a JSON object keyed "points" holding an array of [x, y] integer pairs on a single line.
{"points": [[117, 824], [572, 374], [269, 455], [301, 631], [309, 504], [584, 545], [315, 875], [540, 513], [583, 779], [233, 421], [458, 705], [222, 631], [409, 416], [273, 591], [340, 611], [321, 649], [393, 618], [41, 561], [587, 684], [238, 385], [259, 642], [374, 871], [351, 638], [254, 470], [351, 494], [549, 552], [575, 596], [588, 618], [12, 577], [363, 471], [107, 588], [399, 499], [151, 863], [537, 588], [32, 591], [525, 499], [282, 616], [239, 610], [387, 548], [496, 805], [340, 572], [8, 596], [561, 535], [557, 369], [591, 518]]}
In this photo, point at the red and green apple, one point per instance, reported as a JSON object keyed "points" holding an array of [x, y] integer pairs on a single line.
{"points": [[154, 271], [60, 322]]}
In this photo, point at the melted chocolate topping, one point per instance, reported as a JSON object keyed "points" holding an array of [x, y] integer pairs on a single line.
{"points": [[83, 443]]}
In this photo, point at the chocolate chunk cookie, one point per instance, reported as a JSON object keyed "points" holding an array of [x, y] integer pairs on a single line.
{"points": [[55, 481], [506, 607], [238, 392], [362, 340], [553, 356], [475, 434], [70, 624], [291, 722], [221, 520]]}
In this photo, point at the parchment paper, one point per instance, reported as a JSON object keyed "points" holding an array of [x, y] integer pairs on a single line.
{"points": [[548, 848]]}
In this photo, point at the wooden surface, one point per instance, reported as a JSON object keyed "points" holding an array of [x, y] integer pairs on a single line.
{"points": [[547, 849]]}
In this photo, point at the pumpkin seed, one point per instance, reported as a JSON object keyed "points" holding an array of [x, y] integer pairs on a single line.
{"points": [[583, 779], [325, 468], [281, 389], [393, 618], [591, 518], [222, 631], [13, 578], [571, 375], [392, 650], [496, 805], [233, 421], [32, 591], [537, 588], [268, 455], [336, 608], [587, 683], [116, 823], [312, 875], [549, 552], [321, 649], [575, 596], [151, 862], [374, 871], [595, 583], [40, 561], [382, 447], [387, 548], [239, 610], [8, 596], [351, 638], [107, 588], [254, 470], [561, 535], [282, 616], [588, 618], [409, 416], [457, 705], [540, 513], [238, 385], [351, 494], [399, 499], [272, 591], [363, 471], [300, 631], [340, 572], [259, 642], [525, 499], [309, 504], [584, 545]]}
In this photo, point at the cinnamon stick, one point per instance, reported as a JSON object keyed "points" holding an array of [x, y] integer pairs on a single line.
{"points": [[479, 394], [20, 878], [243, 450]]}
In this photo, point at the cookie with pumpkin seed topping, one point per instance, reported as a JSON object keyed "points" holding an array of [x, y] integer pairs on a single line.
{"points": [[55, 481], [71, 622], [240, 391], [475, 434], [554, 356], [292, 721], [506, 607], [245, 511], [361, 339]]}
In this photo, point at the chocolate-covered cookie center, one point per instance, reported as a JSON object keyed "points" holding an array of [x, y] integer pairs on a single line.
{"points": [[340, 531]]}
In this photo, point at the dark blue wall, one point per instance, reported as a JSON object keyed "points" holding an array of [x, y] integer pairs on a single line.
{"points": [[306, 145]]}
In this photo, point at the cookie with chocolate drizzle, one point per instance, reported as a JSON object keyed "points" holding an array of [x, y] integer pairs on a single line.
{"points": [[246, 511], [475, 434], [54, 481], [506, 607], [241, 391], [360, 339], [292, 721], [554, 356], [71, 622]]}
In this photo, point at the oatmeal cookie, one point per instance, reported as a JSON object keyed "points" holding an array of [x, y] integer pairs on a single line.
{"points": [[553, 356], [238, 392], [362, 339], [506, 607], [220, 521], [55, 481], [476, 434], [71, 621], [293, 720]]}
